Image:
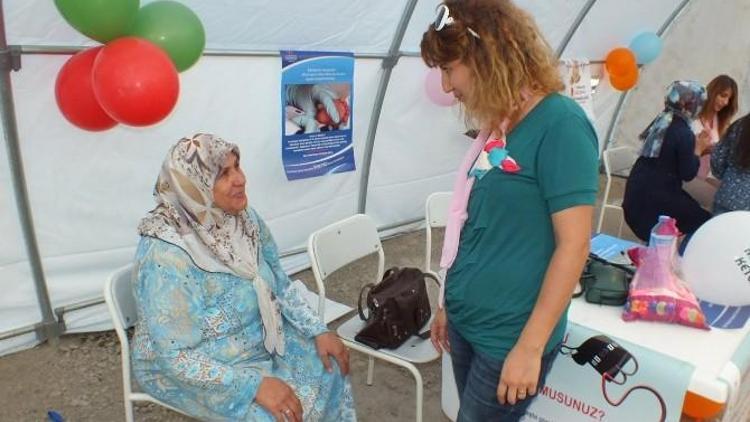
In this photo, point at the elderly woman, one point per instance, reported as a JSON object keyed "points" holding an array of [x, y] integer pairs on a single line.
{"points": [[220, 334]]}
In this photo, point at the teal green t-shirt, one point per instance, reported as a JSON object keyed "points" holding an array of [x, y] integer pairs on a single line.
{"points": [[507, 241]]}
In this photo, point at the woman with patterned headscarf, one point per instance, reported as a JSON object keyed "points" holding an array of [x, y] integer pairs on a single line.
{"points": [[220, 333], [670, 156]]}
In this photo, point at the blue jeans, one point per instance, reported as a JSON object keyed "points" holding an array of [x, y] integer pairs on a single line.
{"points": [[477, 377]]}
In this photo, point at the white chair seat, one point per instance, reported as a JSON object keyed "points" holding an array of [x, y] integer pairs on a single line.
{"points": [[414, 350]]}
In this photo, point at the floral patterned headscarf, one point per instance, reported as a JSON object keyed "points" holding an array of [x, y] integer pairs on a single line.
{"points": [[684, 99], [186, 216]]}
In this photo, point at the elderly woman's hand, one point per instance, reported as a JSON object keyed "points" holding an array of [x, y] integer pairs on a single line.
{"points": [[279, 399], [329, 344]]}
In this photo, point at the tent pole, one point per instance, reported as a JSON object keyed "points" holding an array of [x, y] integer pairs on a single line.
{"points": [[216, 52], [625, 95], [574, 27], [10, 60], [388, 64]]}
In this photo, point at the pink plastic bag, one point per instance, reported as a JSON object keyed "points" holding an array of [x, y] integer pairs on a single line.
{"points": [[656, 293]]}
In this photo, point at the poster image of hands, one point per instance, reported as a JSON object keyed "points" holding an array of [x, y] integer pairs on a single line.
{"points": [[317, 109]]}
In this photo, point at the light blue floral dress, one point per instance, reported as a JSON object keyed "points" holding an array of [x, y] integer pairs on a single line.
{"points": [[198, 343]]}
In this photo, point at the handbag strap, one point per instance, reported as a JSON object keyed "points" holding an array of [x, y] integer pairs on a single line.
{"points": [[361, 312], [432, 276], [625, 268]]}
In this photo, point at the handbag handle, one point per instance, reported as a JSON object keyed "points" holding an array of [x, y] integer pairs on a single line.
{"points": [[361, 313], [432, 276], [625, 268]]}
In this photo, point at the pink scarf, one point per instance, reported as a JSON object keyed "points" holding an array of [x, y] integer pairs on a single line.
{"points": [[457, 212]]}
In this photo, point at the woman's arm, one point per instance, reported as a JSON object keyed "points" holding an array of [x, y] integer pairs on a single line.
{"points": [[572, 238], [293, 307], [297, 311], [689, 149], [572, 227]]}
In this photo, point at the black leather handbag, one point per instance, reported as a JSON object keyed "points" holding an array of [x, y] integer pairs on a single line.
{"points": [[398, 307]]}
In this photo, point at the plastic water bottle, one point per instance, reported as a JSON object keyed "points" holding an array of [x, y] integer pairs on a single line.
{"points": [[662, 247]]}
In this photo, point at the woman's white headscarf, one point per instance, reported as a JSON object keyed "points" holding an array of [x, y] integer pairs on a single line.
{"points": [[186, 216]]}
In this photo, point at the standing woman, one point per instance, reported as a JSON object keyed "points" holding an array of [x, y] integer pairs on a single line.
{"points": [[520, 219], [712, 122]]}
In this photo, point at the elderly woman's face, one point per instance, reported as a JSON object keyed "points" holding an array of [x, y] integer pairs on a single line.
{"points": [[229, 188]]}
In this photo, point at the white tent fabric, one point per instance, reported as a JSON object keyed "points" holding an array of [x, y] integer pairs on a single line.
{"points": [[710, 39], [88, 190]]}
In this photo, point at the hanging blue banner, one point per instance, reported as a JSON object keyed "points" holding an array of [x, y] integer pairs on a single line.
{"points": [[316, 114]]}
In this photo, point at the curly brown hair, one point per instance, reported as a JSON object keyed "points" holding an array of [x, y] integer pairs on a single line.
{"points": [[509, 54]]}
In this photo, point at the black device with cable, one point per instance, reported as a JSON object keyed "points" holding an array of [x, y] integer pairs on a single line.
{"points": [[610, 359]]}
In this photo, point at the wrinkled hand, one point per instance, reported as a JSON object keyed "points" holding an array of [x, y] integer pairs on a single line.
{"points": [[520, 375], [329, 344], [279, 399], [439, 331]]}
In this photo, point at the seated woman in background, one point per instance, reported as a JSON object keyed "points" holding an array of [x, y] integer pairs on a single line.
{"points": [[714, 120], [730, 162], [220, 333], [670, 155]]}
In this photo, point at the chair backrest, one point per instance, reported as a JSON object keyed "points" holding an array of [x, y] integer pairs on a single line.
{"points": [[342, 243], [436, 215], [118, 293], [619, 160]]}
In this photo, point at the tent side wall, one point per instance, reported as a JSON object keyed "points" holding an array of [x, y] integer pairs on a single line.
{"points": [[88, 190]]}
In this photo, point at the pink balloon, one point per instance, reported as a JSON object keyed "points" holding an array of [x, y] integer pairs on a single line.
{"points": [[434, 88]]}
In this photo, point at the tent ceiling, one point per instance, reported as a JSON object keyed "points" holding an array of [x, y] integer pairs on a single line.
{"points": [[354, 25]]}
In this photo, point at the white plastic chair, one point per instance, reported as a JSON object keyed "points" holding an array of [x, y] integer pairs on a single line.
{"points": [[118, 293], [436, 216], [340, 244], [607, 158]]}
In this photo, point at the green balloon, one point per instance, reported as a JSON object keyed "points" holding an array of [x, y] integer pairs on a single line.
{"points": [[173, 27], [101, 20]]}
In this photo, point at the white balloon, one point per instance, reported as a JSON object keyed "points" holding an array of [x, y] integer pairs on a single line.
{"points": [[716, 263]]}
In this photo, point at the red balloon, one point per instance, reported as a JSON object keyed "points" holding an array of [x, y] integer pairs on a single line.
{"points": [[75, 94], [135, 81]]}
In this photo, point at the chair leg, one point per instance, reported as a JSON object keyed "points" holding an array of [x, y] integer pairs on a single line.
{"points": [[622, 220], [370, 369], [128, 410], [419, 386]]}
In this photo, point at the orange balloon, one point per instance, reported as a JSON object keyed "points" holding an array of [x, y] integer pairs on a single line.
{"points": [[620, 62], [625, 82]]}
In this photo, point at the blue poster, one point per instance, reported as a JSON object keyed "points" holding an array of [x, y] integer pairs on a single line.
{"points": [[316, 114]]}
